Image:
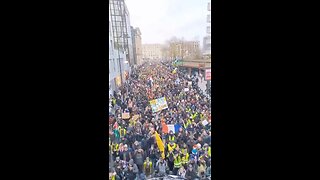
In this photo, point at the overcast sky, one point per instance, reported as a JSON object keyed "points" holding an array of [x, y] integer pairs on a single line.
{"points": [[159, 20]]}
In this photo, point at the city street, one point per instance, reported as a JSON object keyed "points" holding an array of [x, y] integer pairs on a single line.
{"points": [[169, 112], [159, 113]]}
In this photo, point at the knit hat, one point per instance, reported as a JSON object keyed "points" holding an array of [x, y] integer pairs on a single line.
{"points": [[194, 151]]}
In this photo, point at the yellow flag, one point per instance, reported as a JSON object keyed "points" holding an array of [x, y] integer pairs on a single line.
{"points": [[160, 144]]}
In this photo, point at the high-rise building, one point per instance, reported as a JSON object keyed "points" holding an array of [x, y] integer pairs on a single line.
{"points": [[207, 38]]}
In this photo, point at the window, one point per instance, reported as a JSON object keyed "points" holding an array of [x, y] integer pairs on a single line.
{"points": [[209, 18], [209, 6], [209, 29]]}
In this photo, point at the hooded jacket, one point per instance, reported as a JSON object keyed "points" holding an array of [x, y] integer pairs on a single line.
{"points": [[139, 158], [162, 166], [135, 167]]}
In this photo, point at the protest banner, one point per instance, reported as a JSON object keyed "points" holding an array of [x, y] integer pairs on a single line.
{"points": [[162, 103], [205, 122], [158, 104]]}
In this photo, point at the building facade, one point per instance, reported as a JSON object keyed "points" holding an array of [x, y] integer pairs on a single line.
{"points": [[121, 29], [152, 51], [207, 38], [184, 49], [192, 49], [119, 48], [133, 34], [138, 45]]}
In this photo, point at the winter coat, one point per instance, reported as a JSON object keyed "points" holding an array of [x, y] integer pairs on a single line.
{"points": [[161, 166], [191, 174], [135, 167], [130, 175], [139, 158]]}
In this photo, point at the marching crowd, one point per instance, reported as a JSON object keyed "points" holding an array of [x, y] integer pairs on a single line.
{"points": [[134, 152]]}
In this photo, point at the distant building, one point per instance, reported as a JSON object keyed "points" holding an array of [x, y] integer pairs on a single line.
{"points": [[152, 51], [137, 46], [192, 49], [184, 49]]}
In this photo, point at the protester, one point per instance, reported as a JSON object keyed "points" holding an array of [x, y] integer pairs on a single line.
{"points": [[147, 167], [190, 173], [162, 166], [174, 140], [182, 172]]}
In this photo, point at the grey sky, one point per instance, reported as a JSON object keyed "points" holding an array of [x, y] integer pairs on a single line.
{"points": [[159, 20]]}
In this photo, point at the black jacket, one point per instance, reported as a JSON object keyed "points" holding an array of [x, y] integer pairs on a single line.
{"points": [[191, 174], [130, 175]]}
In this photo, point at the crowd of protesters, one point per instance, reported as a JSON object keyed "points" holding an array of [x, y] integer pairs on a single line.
{"points": [[134, 152]]}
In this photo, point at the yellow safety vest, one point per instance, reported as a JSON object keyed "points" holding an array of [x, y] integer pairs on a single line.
{"points": [[115, 147], [177, 162], [184, 150], [171, 138], [209, 151], [132, 122], [171, 148], [145, 164], [189, 122], [185, 159], [122, 132], [169, 154], [185, 125], [113, 177], [194, 116]]}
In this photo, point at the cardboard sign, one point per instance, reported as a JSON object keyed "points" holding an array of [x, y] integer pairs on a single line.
{"points": [[204, 122], [158, 104], [125, 115], [186, 89]]}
